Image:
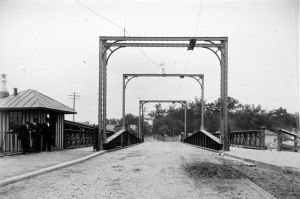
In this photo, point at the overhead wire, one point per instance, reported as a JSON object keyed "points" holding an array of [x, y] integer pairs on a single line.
{"points": [[97, 14], [189, 53], [145, 55], [120, 27]]}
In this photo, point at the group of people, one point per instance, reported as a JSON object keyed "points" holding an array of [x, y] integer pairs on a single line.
{"points": [[32, 135]]}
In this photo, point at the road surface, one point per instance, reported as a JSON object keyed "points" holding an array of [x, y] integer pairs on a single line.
{"points": [[148, 170]]}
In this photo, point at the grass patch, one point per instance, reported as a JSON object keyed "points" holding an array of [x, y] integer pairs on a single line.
{"points": [[205, 170]]}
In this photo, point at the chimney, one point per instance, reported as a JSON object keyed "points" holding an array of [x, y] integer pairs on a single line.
{"points": [[15, 91], [3, 89]]}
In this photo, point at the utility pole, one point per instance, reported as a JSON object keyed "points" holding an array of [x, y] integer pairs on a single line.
{"points": [[74, 96]]}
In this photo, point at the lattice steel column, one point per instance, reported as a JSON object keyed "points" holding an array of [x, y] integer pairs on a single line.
{"points": [[104, 94], [226, 141], [185, 120], [223, 104], [140, 125], [202, 103], [123, 104], [100, 97]]}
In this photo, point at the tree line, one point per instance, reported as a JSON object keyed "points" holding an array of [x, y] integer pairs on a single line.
{"points": [[170, 120]]}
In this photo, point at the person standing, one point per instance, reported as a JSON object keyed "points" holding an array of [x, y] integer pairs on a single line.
{"points": [[47, 135], [23, 135], [36, 136]]}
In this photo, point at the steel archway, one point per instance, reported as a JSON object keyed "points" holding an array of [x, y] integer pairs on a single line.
{"points": [[198, 77], [143, 102], [218, 45]]}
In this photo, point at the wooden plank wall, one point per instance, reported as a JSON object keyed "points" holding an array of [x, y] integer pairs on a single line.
{"points": [[29, 116], [4, 117], [59, 131]]}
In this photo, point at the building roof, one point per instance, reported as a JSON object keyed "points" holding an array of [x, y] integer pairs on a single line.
{"points": [[32, 99]]}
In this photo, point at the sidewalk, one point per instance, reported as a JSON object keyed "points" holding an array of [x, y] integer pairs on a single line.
{"points": [[19, 164], [285, 159]]}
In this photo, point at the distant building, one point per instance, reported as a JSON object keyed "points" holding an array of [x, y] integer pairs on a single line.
{"points": [[133, 127], [110, 127]]}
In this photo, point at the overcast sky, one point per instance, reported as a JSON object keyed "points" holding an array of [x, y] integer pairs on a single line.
{"points": [[52, 46]]}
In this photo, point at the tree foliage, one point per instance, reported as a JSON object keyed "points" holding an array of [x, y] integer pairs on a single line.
{"points": [[240, 117]]}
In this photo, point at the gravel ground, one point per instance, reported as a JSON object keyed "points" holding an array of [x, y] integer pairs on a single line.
{"points": [[19, 164], [278, 184], [148, 170]]}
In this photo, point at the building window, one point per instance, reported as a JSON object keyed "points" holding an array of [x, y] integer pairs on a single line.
{"points": [[15, 120]]}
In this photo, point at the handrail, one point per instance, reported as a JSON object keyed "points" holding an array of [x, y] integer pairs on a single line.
{"points": [[290, 133], [120, 139], [280, 138], [204, 139]]}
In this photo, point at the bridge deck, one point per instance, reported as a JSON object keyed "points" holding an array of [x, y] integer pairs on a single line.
{"points": [[148, 170]]}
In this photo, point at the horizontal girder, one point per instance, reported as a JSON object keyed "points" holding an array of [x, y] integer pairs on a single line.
{"points": [[163, 38], [169, 45], [162, 101], [164, 75]]}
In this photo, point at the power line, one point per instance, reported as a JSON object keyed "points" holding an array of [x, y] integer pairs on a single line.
{"points": [[198, 18], [97, 14], [146, 56], [118, 26], [189, 55]]}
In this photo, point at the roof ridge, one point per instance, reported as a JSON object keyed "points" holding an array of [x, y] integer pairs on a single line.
{"points": [[54, 100], [41, 98], [31, 98], [22, 95]]}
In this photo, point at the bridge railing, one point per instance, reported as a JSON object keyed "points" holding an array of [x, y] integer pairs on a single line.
{"points": [[204, 139], [77, 135], [249, 139], [120, 139], [284, 135], [78, 138]]}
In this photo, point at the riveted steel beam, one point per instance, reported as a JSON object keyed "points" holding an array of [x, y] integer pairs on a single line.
{"points": [[163, 45], [163, 38]]}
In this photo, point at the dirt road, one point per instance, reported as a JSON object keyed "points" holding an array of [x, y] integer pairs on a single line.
{"points": [[148, 170]]}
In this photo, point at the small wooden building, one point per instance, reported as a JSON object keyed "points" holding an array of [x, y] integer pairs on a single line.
{"points": [[24, 106]]}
